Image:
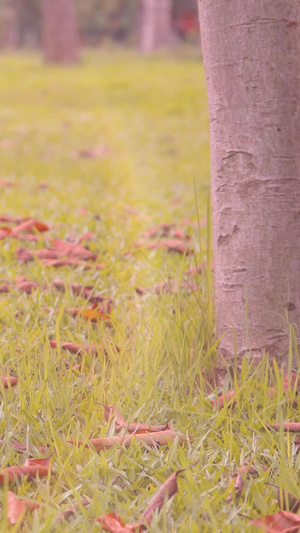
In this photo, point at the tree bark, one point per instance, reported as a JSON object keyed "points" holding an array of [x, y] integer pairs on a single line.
{"points": [[251, 55], [156, 26], [11, 29], [60, 32]]}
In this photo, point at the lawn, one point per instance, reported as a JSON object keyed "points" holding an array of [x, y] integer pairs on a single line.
{"points": [[101, 153]]}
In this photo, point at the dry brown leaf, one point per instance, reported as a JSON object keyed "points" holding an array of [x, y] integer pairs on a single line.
{"points": [[290, 382], [20, 447], [76, 348], [293, 427], [9, 381], [160, 438], [280, 522], [168, 287], [166, 491], [111, 413], [171, 245], [73, 250], [287, 502], [29, 226], [71, 510], [238, 478], [32, 469], [224, 399], [56, 263], [113, 523], [17, 508]]}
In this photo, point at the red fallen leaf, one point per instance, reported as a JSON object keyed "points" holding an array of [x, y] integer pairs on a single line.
{"points": [[75, 348], [101, 150], [194, 271], [73, 250], [111, 412], [168, 287], [8, 184], [5, 231], [161, 438], [32, 469], [287, 502], [27, 286], [71, 510], [14, 220], [29, 226], [93, 314], [297, 444], [56, 263], [220, 401], [20, 447], [4, 288], [161, 230], [172, 245], [293, 427], [289, 383], [88, 236], [167, 490], [9, 381], [26, 255], [82, 290], [238, 478], [280, 522], [17, 508], [113, 522]]}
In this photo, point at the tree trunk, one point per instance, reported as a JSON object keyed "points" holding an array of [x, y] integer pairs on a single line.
{"points": [[156, 26], [60, 33], [251, 55], [11, 23]]}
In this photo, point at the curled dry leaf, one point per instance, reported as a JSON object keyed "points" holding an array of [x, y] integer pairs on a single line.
{"points": [[166, 491], [32, 469], [171, 245], [290, 382], [9, 381], [73, 250], [20, 447], [224, 399], [160, 438], [71, 510], [293, 427], [243, 472], [111, 413], [287, 502], [76, 348], [29, 226], [17, 508], [85, 291], [280, 522], [168, 287], [56, 263], [113, 523]]}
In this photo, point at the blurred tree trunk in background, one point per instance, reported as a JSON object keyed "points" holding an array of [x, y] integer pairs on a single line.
{"points": [[251, 54], [60, 32], [11, 25], [156, 24]]}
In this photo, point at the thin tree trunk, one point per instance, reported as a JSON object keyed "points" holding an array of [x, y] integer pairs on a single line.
{"points": [[11, 29], [251, 55], [60, 32], [156, 27]]}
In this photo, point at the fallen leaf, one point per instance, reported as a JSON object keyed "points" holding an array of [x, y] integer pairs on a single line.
{"points": [[20, 447], [293, 427], [93, 314], [56, 263], [166, 491], [8, 184], [286, 501], [71, 510], [168, 287], [32, 469], [111, 413], [76, 348], [113, 522], [29, 226], [243, 472], [224, 399], [280, 522], [160, 438], [290, 382], [4, 288], [73, 250], [161, 230], [5, 231], [9, 381], [172, 245], [17, 508], [27, 286]]}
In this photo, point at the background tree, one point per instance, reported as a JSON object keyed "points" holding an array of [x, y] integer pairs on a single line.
{"points": [[156, 24], [252, 61], [60, 32]]}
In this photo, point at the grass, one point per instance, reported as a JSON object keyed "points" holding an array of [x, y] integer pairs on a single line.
{"points": [[151, 115]]}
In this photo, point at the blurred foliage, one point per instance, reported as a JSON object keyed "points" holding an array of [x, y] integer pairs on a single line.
{"points": [[99, 20]]}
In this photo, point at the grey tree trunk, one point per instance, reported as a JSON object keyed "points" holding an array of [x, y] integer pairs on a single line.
{"points": [[60, 32], [251, 55], [156, 28]]}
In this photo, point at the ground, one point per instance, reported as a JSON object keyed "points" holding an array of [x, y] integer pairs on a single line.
{"points": [[107, 150]]}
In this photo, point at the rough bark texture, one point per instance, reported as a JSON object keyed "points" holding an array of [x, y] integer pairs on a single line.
{"points": [[156, 27], [60, 33], [251, 55]]}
